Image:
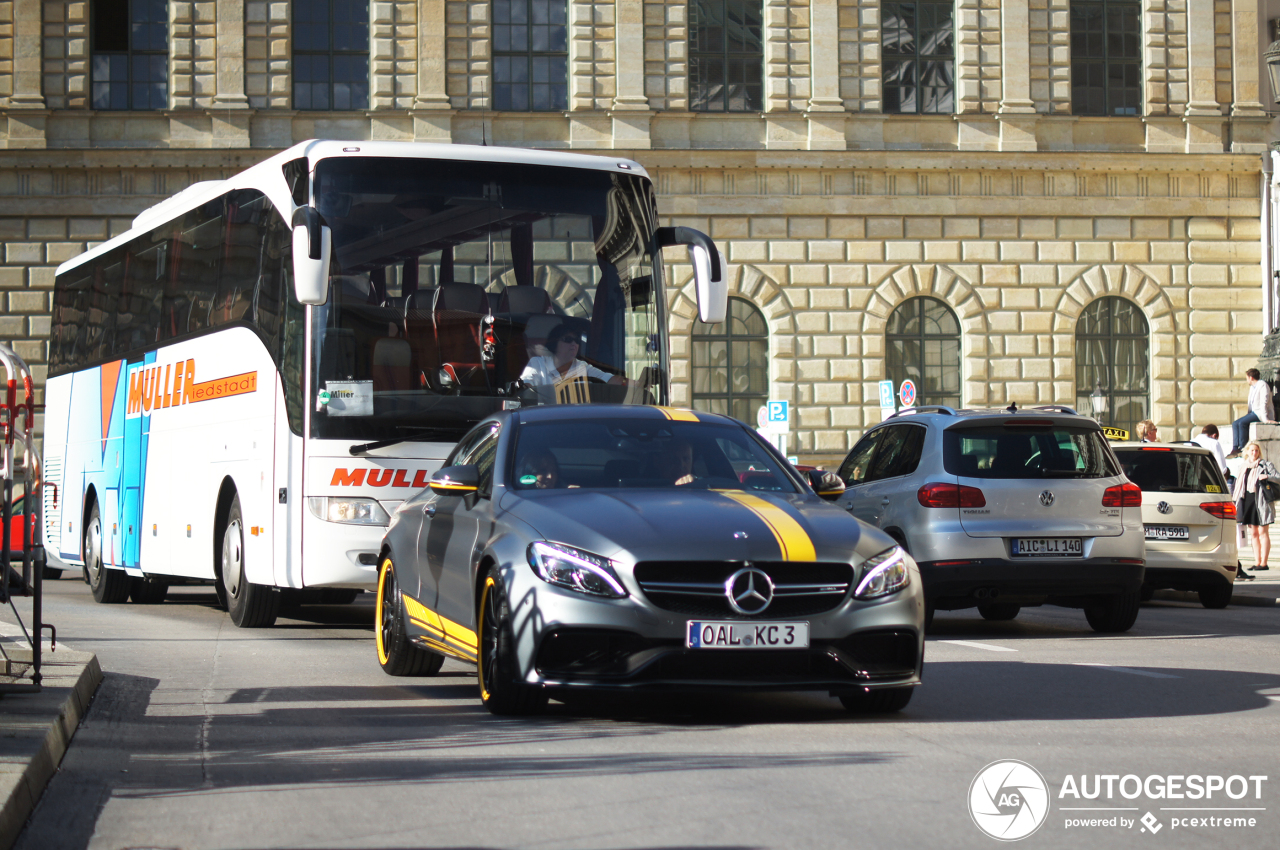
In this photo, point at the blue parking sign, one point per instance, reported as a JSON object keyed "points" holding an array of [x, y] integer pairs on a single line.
{"points": [[777, 411], [886, 394]]}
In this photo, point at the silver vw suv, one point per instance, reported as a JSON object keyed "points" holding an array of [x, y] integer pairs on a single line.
{"points": [[1004, 509]]}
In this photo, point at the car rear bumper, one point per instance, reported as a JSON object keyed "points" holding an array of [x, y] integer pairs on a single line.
{"points": [[951, 586], [1169, 562]]}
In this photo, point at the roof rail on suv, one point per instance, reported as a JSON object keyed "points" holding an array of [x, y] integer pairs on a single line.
{"points": [[1062, 408], [924, 408]]}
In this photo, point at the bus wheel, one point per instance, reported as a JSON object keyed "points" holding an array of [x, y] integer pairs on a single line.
{"points": [[107, 585], [397, 655], [251, 606]]}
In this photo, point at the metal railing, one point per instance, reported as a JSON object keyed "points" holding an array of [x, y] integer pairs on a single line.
{"points": [[17, 418]]}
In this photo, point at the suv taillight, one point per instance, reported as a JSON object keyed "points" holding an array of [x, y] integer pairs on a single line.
{"points": [[1126, 495], [950, 496], [1222, 510]]}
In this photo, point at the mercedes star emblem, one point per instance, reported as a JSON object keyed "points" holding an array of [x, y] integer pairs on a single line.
{"points": [[1046, 498], [749, 591], [1164, 508]]}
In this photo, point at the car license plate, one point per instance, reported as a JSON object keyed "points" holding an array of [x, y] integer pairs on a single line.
{"points": [[704, 634], [1168, 532], [1047, 547]]}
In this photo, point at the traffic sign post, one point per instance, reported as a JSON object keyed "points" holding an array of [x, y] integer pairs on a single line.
{"points": [[774, 420], [907, 393]]}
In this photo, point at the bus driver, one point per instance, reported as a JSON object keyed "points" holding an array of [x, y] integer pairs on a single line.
{"points": [[563, 363]]}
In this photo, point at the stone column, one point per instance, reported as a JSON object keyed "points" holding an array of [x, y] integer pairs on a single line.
{"points": [[1017, 111], [974, 130], [631, 113], [1248, 115], [230, 113], [432, 111], [826, 107], [1203, 116], [26, 107]]}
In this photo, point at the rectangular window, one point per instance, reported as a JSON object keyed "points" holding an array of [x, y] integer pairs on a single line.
{"points": [[530, 55], [330, 54], [1106, 57], [918, 54], [726, 56], [129, 62]]}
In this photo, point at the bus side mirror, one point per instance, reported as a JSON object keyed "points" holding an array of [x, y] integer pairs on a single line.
{"points": [[312, 246], [708, 272]]}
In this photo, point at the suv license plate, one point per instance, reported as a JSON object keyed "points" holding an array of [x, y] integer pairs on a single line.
{"points": [[1168, 532], [704, 634], [1047, 547]]}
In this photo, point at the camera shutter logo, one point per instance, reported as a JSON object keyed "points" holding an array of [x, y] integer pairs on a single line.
{"points": [[1009, 800]]}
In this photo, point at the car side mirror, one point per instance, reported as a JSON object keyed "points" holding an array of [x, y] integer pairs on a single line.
{"points": [[455, 481], [828, 485], [708, 272], [312, 247]]}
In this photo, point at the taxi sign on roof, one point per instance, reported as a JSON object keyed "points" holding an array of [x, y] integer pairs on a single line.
{"points": [[1114, 433]]}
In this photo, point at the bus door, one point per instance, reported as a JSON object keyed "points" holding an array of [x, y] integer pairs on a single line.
{"points": [[133, 472]]}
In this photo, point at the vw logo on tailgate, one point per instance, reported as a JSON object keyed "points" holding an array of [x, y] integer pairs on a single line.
{"points": [[1046, 498], [749, 591]]}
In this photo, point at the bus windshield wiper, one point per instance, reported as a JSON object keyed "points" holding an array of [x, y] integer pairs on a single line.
{"points": [[420, 434]]}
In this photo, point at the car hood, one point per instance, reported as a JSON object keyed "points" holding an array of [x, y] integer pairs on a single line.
{"points": [[697, 525]]}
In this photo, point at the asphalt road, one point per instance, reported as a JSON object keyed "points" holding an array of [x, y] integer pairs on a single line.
{"points": [[207, 736]]}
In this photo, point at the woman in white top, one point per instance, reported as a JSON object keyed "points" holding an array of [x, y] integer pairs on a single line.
{"points": [[563, 342]]}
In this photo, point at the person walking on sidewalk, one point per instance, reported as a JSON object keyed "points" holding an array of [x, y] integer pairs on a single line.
{"points": [[1254, 510], [1261, 409]]}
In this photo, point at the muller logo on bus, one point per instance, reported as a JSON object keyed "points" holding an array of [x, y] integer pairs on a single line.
{"points": [[152, 387]]}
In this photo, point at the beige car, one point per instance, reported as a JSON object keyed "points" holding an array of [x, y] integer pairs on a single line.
{"points": [[1188, 517]]}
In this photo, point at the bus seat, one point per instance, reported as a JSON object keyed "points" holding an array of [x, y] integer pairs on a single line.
{"points": [[524, 299], [458, 312], [392, 364], [417, 304]]}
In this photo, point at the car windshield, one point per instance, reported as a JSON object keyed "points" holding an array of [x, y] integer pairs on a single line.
{"points": [[632, 453], [1171, 471], [458, 287], [1027, 449]]}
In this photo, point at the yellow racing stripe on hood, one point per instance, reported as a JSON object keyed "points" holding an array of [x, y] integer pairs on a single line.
{"points": [[792, 539]]}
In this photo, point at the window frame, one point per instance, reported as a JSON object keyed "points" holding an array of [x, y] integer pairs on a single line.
{"points": [[724, 333], [131, 54], [746, 60], [1109, 63], [1110, 363], [531, 56], [332, 55], [915, 59], [925, 397]]}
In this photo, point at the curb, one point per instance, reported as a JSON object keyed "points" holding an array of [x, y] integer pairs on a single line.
{"points": [[23, 780], [1246, 600]]}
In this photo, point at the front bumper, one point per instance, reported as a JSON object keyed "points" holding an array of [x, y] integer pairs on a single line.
{"points": [[1073, 582]]}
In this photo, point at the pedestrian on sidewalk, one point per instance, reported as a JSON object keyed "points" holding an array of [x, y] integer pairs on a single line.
{"points": [[1147, 431], [1261, 409], [1208, 437], [1254, 509]]}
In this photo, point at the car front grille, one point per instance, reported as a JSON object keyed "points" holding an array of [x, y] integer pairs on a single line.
{"points": [[696, 588]]}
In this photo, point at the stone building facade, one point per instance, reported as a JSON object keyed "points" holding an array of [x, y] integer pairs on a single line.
{"points": [[1011, 208]]}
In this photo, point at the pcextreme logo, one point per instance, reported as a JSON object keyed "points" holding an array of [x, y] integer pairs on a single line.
{"points": [[154, 387]]}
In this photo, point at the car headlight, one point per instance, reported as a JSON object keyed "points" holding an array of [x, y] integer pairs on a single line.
{"points": [[883, 574], [575, 569], [350, 511]]}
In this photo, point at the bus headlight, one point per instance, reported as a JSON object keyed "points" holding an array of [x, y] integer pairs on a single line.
{"points": [[350, 511]]}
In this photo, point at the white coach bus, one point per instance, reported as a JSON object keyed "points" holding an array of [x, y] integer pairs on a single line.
{"points": [[245, 385]]}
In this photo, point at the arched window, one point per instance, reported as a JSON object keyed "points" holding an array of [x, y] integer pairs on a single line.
{"points": [[731, 363], [922, 342], [1113, 376]]}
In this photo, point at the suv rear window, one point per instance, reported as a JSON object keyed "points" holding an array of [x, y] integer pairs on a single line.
{"points": [[1169, 471], [1027, 449]]}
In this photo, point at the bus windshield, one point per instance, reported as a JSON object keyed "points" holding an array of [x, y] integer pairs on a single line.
{"points": [[458, 288]]}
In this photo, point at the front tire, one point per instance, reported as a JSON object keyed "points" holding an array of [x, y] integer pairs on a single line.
{"points": [[109, 586], [251, 606], [396, 653], [999, 611], [1115, 613], [884, 701], [1217, 596], [500, 690]]}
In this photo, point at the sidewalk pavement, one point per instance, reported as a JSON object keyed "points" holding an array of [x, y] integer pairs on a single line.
{"points": [[35, 729]]}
